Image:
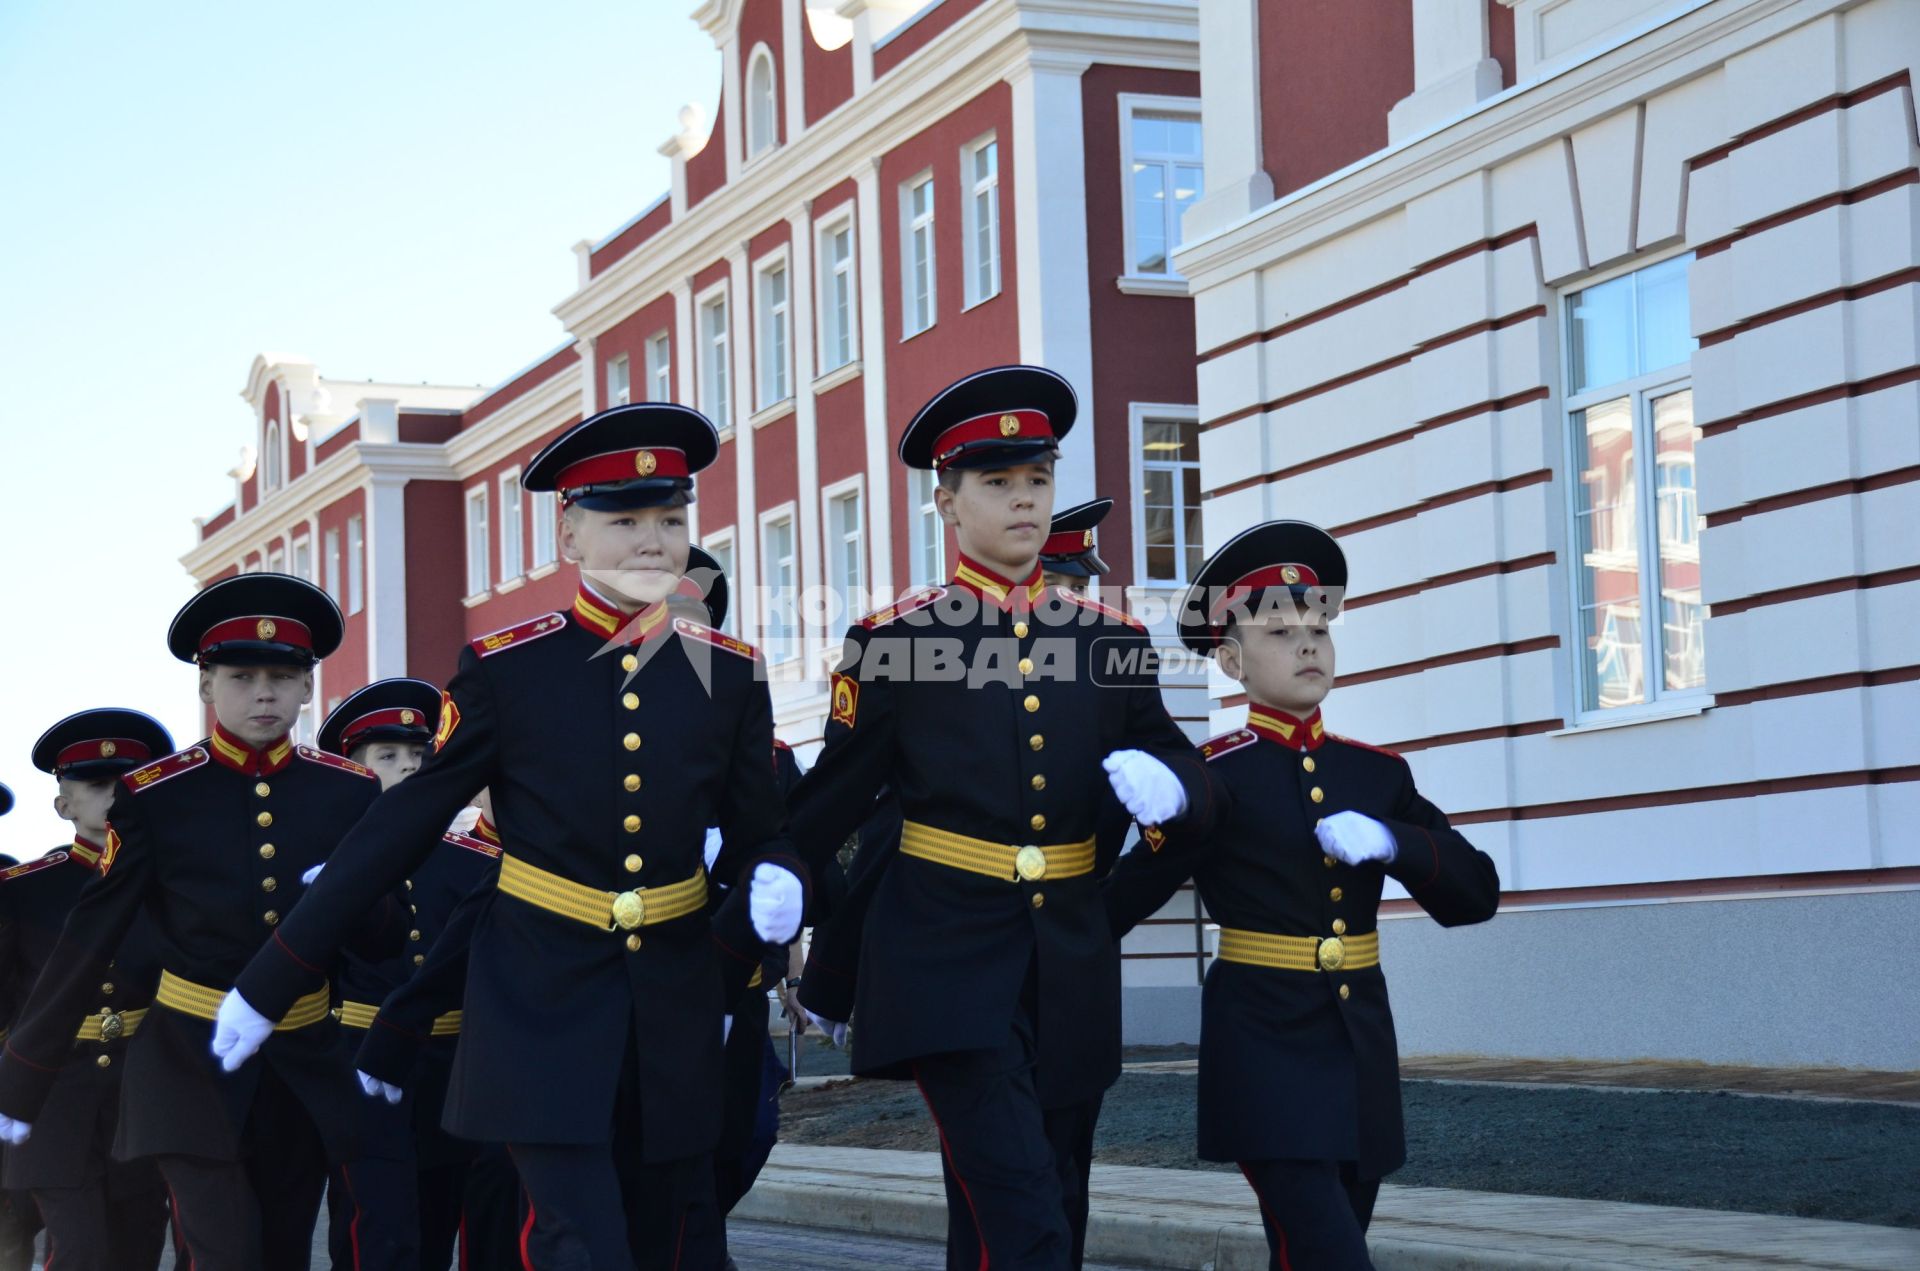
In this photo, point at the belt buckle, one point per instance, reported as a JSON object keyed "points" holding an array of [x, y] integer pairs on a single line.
{"points": [[1331, 953], [629, 910], [1030, 863], [111, 1026]]}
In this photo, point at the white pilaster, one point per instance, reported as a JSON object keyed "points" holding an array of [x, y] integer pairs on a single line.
{"points": [[873, 377], [1237, 180], [872, 21], [1451, 69], [386, 597], [732, 108], [589, 376], [793, 30], [805, 420], [681, 347], [746, 537]]}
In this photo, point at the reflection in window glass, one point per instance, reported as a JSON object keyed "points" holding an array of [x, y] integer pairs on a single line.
{"points": [[1170, 499], [1609, 549], [1165, 178]]}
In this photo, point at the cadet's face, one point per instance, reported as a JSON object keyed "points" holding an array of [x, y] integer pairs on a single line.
{"points": [[1000, 515], [391, 761], [85, 803], [1284, 664], [257, 704], [1072, 582], [634, 558]]}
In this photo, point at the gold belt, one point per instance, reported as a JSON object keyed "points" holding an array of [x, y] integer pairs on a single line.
{"points": [[1299, 953], [609, 911], [360, 1015], [1008, 861], [202, 1002], [109, 1025]]}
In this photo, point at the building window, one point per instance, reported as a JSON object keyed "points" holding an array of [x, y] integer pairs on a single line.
{"points": [[479, 576], [846, 557], [1172, 547], [270, 459], [1160, 140], [1636, 519], [330, 557], [545, 525], [980, 168], [714, 371], [771, 342], [660, 368], [720, 547], [916, 272], [619, 381], [763, 111], [510, 525], [356, 565], [778, 621], [303, 558], [837, 295], [929, 533], [276, 560]]}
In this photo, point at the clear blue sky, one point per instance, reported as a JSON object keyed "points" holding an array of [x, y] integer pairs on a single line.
{"points": [[390, 189]]}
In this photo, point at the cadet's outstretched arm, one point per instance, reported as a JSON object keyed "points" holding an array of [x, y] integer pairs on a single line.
{"points": [[1452, 880], [837, 793], [1151, 729], [405, 1019]]}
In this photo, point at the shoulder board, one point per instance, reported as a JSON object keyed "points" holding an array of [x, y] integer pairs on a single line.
{"points": [[1227, 743], [906, 604], [1118, 615], [527, 632], [32, 867], [327, 759], [472, 844], [1378, 750], [172, 766], [718, 639], [780, 745]]}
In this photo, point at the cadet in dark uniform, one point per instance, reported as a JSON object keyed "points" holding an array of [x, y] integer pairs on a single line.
{"points": [[211, 844], [19, 1219], [100, 1214], [990, 706], [1299, 1071], [609, 738], [1069, 558]]}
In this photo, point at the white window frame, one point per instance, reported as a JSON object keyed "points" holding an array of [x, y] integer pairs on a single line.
{"points": [[513, 529], [923, 520], [709, 348], [277, 560], [660, 366], [356, 563], [723, 541], [273, 450], [970, 221], [853, 593], [1659, 701], [773, 360], [301, 546], [479, 549], [911, 227], [827, 322], [783, 647], [330, 565], [544, 542], [1131, 279], [758, 145], [1138, 413], [620, 373]]}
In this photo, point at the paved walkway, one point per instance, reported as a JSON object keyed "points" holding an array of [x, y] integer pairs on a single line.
{"points": [[1195, 1219]]}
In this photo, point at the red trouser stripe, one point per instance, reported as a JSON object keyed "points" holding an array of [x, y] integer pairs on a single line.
{"points": [[941, 1130], [1286, 1263]]}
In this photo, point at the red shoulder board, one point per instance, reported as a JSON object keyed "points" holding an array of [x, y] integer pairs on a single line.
{"points": [[1378, 750], [527, 632], [1227, 743], [327, 759], [32, 867], [1118, 615], [472, 844], [718, 639], [172, 766], [780, 745], [906, 604]]}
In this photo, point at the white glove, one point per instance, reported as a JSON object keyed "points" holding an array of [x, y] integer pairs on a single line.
{"points": [[378, 1089], [1355, 838], [1146, 786], [308, 877], [774, 902], [726, 1028], [712, 848], [238, 1030], [14, 1132], [464, 820], [836, 1033]]}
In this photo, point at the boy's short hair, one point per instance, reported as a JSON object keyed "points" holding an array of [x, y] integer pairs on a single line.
{"points": [[950, 477]]}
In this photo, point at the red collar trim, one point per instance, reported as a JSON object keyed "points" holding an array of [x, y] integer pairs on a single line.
{"points": [[984, 582], [87, 852], [484, 831], [606, 620], [1287, 730], [237, 755]]}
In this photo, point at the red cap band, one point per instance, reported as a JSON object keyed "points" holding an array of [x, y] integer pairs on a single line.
{"points": [[1267, 576], [398, 717], [103, 748], [1009, 425], [1069, 543], [260, 627], [624, 465]]}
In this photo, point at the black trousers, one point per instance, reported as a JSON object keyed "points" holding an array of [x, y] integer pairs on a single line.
{"points": [[373, 1216], [1070, 1133], [19, 1223], [1316, 1213], [492, 1211], [116, 1221]]}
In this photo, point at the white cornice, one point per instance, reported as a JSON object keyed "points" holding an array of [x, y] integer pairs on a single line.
{"points": [[546, 405]]}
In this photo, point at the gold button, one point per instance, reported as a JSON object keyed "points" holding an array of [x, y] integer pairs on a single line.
{"points": [[268, 884], [1032, 704], [419, 959], [409, 884], [1037, 821], [1316, 794], [629, 663], [263, 789], [1039, 781], [270, 917], [1328, 861], [266, 851], [414, 934], [1020, 630], [633, 943], [1306, 761], [632, 782], [1026, 666], [1036, 741], [1345, 992], [1037, 899], [1336, 893], [104, 1061], [263, 820], [631, 701], [1339, 926], [631, 741], [413, 909], [107, 988], [633, 864], [632, 823]]}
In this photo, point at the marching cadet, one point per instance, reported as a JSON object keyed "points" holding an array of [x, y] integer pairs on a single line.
{"points": [[1299, 1071], [410, 1172], [609, 738], [991, 706], [1069, 558], [100, 1214], [211, 843], [19, 1220]]}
